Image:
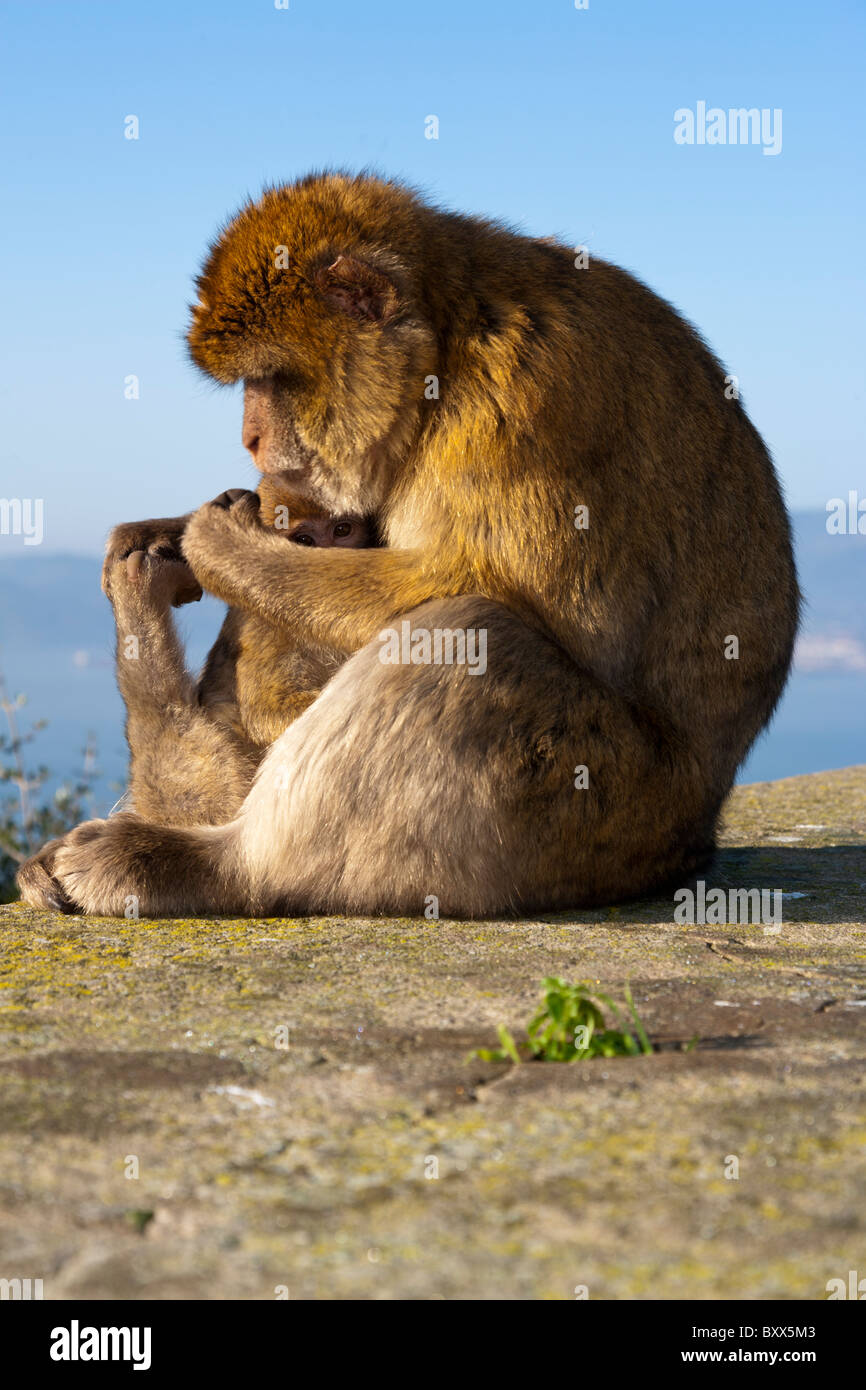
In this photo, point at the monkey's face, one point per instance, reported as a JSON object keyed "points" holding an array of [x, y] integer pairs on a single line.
{"points": [[297, 517], [348, 532], [301, 300]]}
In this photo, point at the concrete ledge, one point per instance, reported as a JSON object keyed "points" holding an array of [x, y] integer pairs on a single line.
{"points": [[307, 1166]]}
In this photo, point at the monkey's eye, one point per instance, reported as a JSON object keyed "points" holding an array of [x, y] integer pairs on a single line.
{"points": [[343, 528], [303, 538]]}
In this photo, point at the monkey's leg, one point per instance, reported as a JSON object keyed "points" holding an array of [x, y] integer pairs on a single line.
{"points": [[186, 768], [409, 786], [113, 865]]}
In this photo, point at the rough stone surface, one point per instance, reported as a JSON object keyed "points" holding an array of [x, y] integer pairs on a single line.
{"points": [[261, 1166]]}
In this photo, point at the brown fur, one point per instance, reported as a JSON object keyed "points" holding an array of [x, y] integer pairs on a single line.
{"points": [[558, 387], [194, 745], [257, 679], [185, 767]]}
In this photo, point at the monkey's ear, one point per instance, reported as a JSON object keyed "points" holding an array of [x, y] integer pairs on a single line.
{"points": [[359, 289]]}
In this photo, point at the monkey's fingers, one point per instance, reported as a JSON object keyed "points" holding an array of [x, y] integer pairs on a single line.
{"points": [[38, 886], [155, 580], [246, 509], [188, 588], [170, 578], [134, 564], [160, 536], [232, 495], [165, 550]]}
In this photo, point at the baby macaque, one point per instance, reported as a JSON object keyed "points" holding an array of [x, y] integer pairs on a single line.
{"points": [[256, 679], [195, 745]]}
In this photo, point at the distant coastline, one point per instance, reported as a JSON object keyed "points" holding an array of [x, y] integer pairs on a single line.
{"points": [[56, 646]]}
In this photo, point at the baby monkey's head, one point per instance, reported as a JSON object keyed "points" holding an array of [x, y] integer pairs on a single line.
{"points": [[289, 513]]}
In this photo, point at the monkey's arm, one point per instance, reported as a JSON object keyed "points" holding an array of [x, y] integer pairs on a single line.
{"points": [[336, 598], [186, 768]]}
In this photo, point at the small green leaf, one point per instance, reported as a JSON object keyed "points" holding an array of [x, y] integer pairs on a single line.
{"points": [[508, 1044]]}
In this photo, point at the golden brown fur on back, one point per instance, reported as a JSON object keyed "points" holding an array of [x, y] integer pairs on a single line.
{"points": [[476, 390]]}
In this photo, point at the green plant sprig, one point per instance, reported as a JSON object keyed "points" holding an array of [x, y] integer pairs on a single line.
{"points": [[570, 1026]]}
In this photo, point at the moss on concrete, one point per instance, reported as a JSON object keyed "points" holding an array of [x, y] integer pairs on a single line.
{"points": [[156, 1047]]}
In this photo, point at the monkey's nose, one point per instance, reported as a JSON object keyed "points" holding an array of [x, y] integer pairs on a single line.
{"points": [[252, 442]]}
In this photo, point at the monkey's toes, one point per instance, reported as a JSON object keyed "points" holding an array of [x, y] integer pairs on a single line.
{"points": [[89, 869], [39, 888], [157, 576]]}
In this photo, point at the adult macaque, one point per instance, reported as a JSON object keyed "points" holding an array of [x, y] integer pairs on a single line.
{"points": [[576, 483]]}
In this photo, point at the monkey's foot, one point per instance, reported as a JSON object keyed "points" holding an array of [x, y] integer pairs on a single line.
{"points": [[130, 867], [39, 887], [94, 869], [148, 579], [158, 538]]}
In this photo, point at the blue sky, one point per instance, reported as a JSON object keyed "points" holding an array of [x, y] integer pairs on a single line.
{"points": [[558, 120]]}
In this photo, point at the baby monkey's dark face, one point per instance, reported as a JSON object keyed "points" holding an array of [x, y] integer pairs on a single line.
{"points": [[303, 521], [351, 532]]}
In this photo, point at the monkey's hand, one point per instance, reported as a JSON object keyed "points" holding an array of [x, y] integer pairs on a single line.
{"points": [[150, 581], [218, 537], [159, 537]]}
